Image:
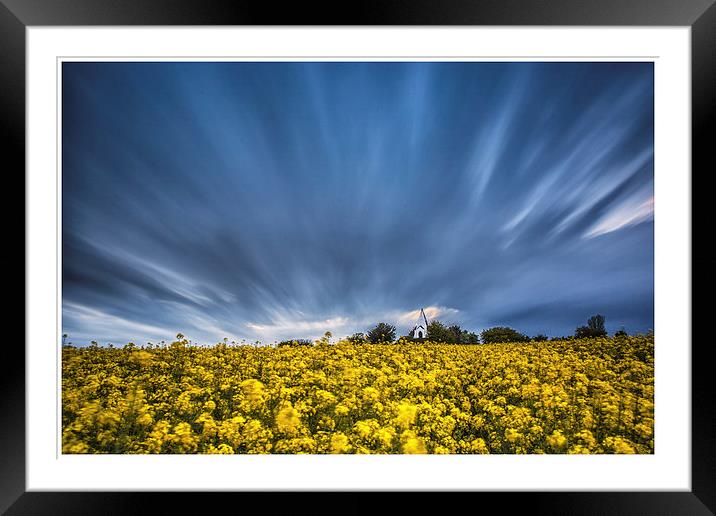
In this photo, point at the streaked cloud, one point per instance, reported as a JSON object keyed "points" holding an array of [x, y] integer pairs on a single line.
{"points": [[412, 317], [263, 201], [625, 215], [287, 326], [113, 328]]}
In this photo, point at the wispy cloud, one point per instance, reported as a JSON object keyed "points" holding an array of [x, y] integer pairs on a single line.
{"points": [[300, 327], [107, 327], [271, 200], [412, 317], [624, 216]]}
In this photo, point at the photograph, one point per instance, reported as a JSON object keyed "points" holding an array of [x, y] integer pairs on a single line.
{"points": [[401, 248], [356, 256]]}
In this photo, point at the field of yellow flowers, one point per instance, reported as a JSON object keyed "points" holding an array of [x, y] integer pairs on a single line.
{"points": [[573, 396]]}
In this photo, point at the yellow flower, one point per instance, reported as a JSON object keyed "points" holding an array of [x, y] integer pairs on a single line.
{"points": [[339, 443], [253, 390], [413, 444], [370, 394], [222, 449], [618, 445], [557, 441], [341, 410], [145, 420], [365, 428], [479, 446], [288, 420], [512, 435], [403, 398], [385, 436], [406, 414]]}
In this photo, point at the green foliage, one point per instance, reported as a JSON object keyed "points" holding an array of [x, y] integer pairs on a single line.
{"points": [[381, 332], [357, 338], [438, 332], [325, 340], [540, 337], [468, 337], [594, 328], [296, 342], [502, 334]]}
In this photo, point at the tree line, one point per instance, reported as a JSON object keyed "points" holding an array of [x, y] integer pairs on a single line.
{"points": [[385, 333]]}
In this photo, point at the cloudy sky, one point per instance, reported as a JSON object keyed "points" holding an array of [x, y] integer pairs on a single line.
{"points": [[263, 201]]}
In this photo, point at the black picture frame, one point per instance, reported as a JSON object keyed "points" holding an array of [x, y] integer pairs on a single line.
{"points": [[700, 15]]}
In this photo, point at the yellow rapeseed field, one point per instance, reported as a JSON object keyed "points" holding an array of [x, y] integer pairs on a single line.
{"points": [[573, 396]]}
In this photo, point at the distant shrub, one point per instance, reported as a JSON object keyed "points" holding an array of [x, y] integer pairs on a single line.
{"points": [[296, 342], [438, 332], [381, 332], [594, 328], [468, 337], [454, 334], [502, 334], [357, 338]]}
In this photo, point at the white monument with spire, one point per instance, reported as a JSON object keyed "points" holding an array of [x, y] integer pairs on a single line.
{"points": [[421, 330]]}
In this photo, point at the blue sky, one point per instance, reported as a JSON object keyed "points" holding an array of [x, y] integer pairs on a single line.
{"points": [[263, 201]]}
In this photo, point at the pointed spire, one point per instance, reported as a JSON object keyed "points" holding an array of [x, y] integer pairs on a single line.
{"points": [[420, 331]]}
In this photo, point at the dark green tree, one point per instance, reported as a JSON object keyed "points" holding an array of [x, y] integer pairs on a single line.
{"points": [[456, 332], [438, 332], [562, 338], [295, 342], [381, 332], [502, 334], [594, 328], [621, 332], [357, 338], [468, 337], [325, 340]]}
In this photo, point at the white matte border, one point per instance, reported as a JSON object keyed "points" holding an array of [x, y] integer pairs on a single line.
{"points": [[667, 469]]}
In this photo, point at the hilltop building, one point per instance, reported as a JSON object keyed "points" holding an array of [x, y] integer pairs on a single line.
{"points": [[421, 330]]}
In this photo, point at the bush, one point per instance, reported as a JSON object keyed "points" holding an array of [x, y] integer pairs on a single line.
{"points": [[594, 328], [296, 342], [357, 338], [438, 332], [381, 332], [502, 334], [468, 337]]}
